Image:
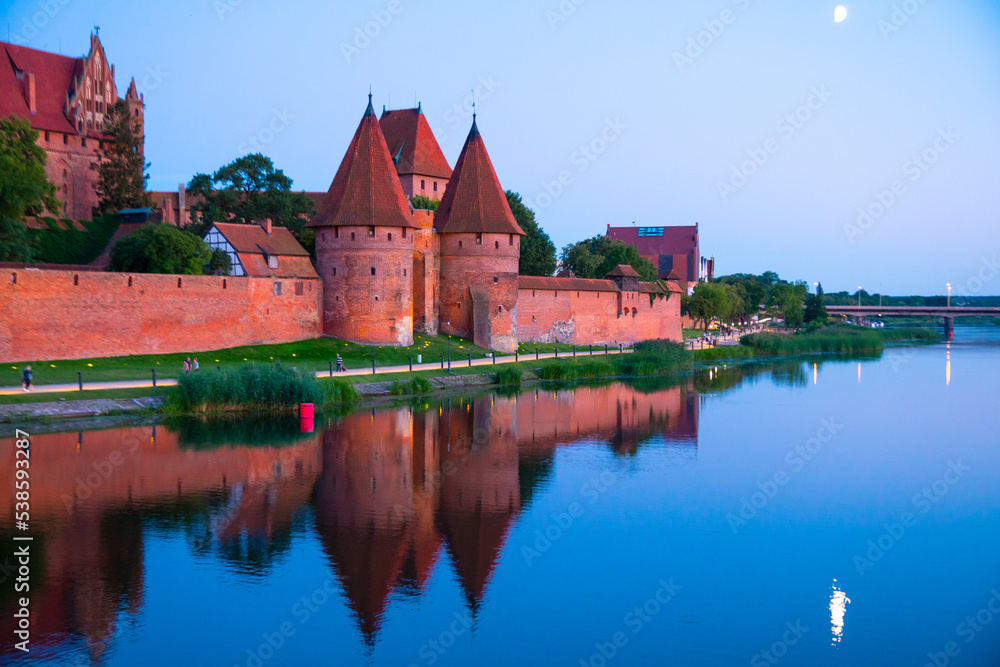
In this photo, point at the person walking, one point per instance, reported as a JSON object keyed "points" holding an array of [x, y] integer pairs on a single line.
{"points": [[26, 378], [187, 366], [340, 364], [194, 364]]}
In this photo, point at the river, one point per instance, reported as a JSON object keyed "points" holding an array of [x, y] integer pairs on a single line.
{"points": [[813, 511]]}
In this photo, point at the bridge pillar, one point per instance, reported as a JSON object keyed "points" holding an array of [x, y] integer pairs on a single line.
{"points": [[949, 327]]}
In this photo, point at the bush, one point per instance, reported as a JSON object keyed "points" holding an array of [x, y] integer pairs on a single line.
{"points": [[652, 357], [249, 387], [417, 385], [835, 338], [160, 248], [70, 245], [340, 391], [507, 376]]}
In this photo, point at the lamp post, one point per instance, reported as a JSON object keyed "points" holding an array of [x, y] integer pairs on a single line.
{"points": [[948, 285], [448, 324], [859, 296]]}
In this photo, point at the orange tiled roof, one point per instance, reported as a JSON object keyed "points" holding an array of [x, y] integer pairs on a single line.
{"points": [[53, 80], [366, 190], [253, 239], [288, 267], [568, 284], [412, 144], [474, 202]]}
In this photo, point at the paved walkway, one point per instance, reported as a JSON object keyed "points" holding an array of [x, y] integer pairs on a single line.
{"points": [[456, 364]]}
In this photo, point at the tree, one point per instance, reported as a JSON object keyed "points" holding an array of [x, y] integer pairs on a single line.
{"points": [[220, 263], [538, 253], [711, 301], [24, 189], [121, 172], [160, 248], [245, 191], [424, 202], [815, 308], [597, 256]]}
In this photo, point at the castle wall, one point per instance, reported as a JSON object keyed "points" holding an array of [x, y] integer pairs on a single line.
{"points": [[480, 268], [67, 166], [47, 315], [426, 272], [592, 317], [368, 289]]}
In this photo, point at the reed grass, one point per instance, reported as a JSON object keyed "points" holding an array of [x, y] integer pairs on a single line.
{"points": [[250, 387]]}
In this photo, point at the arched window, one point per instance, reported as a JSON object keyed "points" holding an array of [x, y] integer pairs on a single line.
{"points": [[389, 236], [496, 245]]}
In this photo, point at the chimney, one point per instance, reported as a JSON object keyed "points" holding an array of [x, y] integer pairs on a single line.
{"points": [[181, 196], [29, 92], [266, 224]]}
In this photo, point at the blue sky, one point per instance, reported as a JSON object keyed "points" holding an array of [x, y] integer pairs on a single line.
{"points": [[766, 122]]}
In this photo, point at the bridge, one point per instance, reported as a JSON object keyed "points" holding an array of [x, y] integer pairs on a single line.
{"points": [[949, 313]]}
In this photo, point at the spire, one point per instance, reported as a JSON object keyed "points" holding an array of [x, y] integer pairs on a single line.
{"points": [[474, 202], [366, 190], [132, 93]]}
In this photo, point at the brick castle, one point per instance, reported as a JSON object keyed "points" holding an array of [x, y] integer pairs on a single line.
{"points": [[390, 270]]}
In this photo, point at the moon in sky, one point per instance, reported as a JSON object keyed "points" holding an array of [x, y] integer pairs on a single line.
{"points": [[840, 13]]}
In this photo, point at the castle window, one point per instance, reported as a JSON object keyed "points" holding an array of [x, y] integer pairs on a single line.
{"points": [[300, 288], [322, 236], [225, 283], [459, 244], [496, 244], [336, 232], [130, 281], [557, 295], [435, 186], [352, 236], [373, 270], [495, 280], [371, 232], [338, 298], [389, 236], [532, 293], [334, 270], [66, 139], [83, 142], [460, 305], [376, 298], [76, 279], [499, 309], [179, 283], [479, 239], [404, 232], [404, 273], [277, 289], [532, 318], [136, 112], [421, 184], [46, 136]]}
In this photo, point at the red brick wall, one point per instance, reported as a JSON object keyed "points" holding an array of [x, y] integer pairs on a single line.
{"points": [[358, 306], [67, 166], [426, 251], [491, 269], [591, 318], [48, 315]]}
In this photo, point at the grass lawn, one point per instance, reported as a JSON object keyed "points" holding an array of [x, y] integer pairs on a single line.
{"points": [[308, 355], [36, 397], [692, 333]]}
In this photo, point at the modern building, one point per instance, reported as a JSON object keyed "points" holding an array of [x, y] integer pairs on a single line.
{"points": [[65, 100], [671, 250]]}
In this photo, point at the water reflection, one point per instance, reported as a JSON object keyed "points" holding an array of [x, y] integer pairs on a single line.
{"points": [[389, 494]]}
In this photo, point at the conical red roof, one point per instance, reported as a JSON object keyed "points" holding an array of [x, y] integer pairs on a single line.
{"points": [[474, 202], [412, 144], [366, 190]]}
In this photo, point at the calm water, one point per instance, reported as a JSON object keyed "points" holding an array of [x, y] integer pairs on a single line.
{"points": [[829, 513]]}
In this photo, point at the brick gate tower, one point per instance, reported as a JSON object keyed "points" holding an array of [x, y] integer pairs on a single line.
{"points": [[480, 250], [364, 245]]}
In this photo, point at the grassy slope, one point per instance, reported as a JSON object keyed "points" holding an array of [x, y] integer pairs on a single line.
{"points": [[308, 355]]}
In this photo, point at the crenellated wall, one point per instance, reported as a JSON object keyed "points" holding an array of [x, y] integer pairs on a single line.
{"points": [[47, 315]]}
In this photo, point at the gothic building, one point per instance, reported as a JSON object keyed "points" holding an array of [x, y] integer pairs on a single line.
{"points": [[65, 100]]}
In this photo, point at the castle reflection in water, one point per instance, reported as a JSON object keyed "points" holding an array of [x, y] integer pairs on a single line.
{"points": [[389, 493]]}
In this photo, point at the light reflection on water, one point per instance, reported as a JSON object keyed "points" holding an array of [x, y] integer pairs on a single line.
{"points": [[526, 528]]}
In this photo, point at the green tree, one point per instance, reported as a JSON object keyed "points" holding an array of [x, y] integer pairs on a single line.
{"points": [[160, 248], [538, 253], [245, 191], [220, 263], [24, 189], [121, 172], [595, 257], [711, 301], [424, 202], [815, 308]]}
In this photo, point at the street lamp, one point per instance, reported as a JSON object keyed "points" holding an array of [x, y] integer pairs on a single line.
{"points": [[948, 285], [859, 296]]}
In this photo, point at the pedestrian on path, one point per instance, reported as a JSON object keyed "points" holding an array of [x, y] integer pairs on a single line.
{"points": [[340, 364], [187, 366], [194, 364], [26, 379]]}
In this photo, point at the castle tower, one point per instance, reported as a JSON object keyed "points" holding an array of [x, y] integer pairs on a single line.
{"points": [[422, 167], [480, 249], [364, 245], [136, 110]]}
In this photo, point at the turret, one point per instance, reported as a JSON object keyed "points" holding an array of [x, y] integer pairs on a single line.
{"points": [[480, 250], [364, 245]]}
